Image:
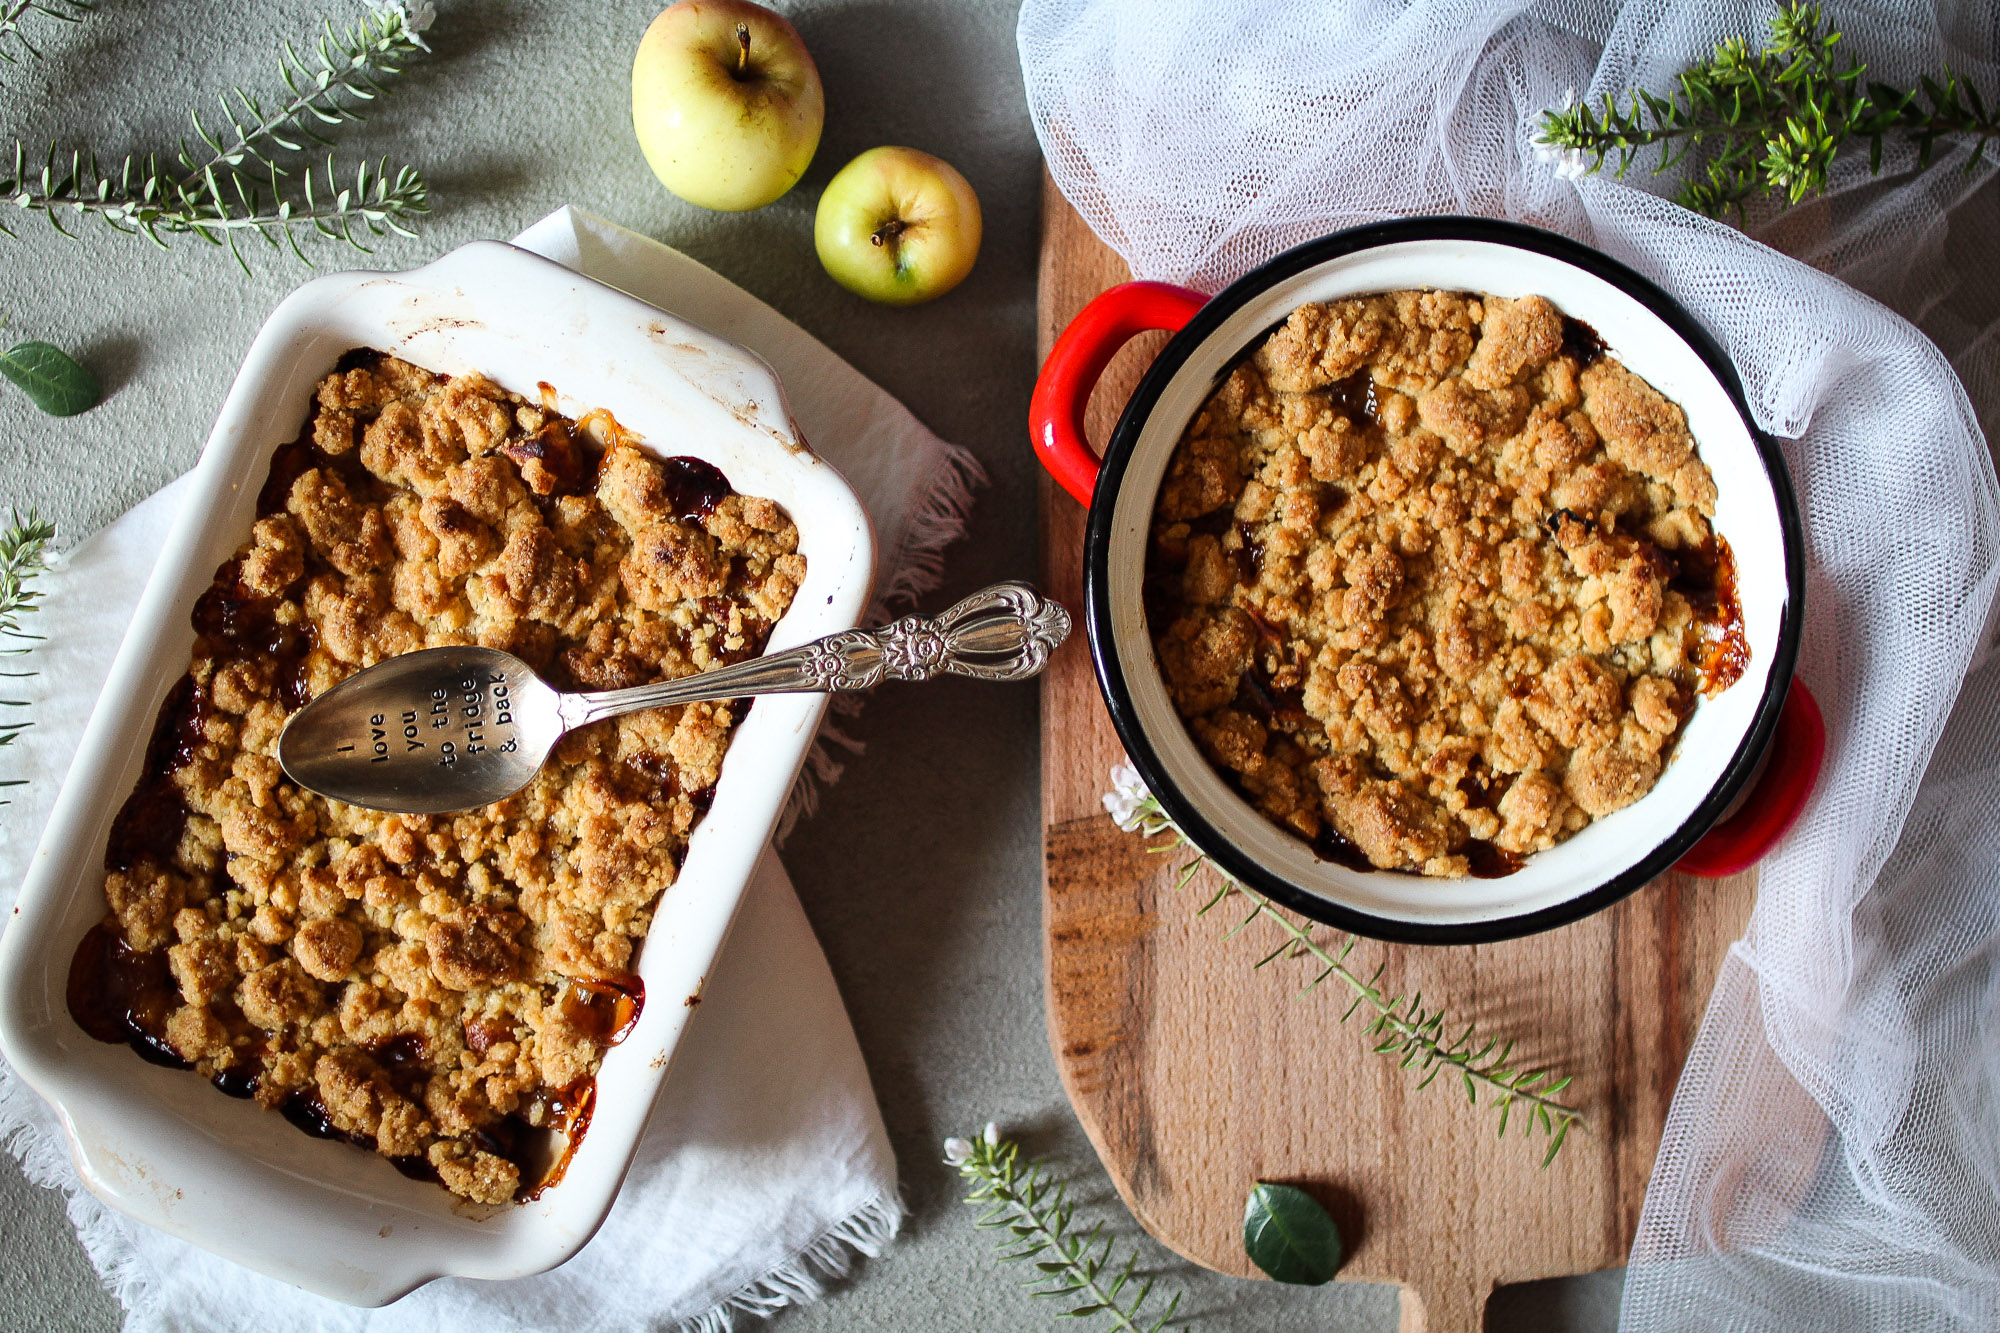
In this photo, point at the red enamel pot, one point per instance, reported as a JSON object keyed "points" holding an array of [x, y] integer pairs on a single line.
{"points": [[1747, 758]]}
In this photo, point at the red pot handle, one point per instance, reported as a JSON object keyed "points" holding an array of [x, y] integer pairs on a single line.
{"points": [[1797, 749], [1085, 348]]}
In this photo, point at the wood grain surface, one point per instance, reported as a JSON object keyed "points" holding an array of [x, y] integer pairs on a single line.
{"points": [[1196, 1076]]}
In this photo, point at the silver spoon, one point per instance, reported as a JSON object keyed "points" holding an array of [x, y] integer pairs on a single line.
{"points": [[448, 729]]}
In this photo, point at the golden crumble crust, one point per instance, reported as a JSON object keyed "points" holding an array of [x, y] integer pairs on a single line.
{"points": [[1433, 580], [434, 987]]}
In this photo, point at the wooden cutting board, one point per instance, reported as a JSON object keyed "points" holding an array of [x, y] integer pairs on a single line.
{"points": [[1196, 1076]]}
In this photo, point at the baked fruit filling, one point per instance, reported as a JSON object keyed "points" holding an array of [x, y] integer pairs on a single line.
{"points": [[439, 989], [1432, 580]]}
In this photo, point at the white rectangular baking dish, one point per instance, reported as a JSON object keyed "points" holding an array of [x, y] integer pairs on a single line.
{"points": [[163, 1146]]}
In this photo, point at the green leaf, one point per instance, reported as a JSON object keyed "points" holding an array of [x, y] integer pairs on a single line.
{"points": [[1556, 1143], [1288, 1235], [52, 381]]}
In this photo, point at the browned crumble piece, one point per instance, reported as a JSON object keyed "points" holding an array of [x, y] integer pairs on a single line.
{"points": [[276, 557], [478, 1175], [144, 900], [1322, 344], [1516, 338]]}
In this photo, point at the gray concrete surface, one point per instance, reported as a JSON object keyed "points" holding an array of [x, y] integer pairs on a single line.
{"points": [[920, 871]]}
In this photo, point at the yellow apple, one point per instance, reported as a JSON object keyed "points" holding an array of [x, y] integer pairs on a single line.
{"points": [[727, 103], [897, 225]]}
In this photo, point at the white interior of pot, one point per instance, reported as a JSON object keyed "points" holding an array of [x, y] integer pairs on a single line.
{"points": [[1746, 515]]}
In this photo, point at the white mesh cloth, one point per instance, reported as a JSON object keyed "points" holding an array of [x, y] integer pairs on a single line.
{"points": [[1832, 1159]]}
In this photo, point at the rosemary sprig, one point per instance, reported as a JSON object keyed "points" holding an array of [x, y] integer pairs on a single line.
{"points": [[1417, 1036], [13, 11], [24, 545], [223, 205], [23, 555], [351, 65], [1032, 1204], [233, 185], [1768, 121]]}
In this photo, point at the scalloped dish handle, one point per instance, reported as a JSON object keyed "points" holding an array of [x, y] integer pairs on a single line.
{"points": [[1078, 359], [1798, 747]]}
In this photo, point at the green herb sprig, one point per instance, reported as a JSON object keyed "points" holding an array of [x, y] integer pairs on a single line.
{"points": [[1405, 1028], [23, 555], [1768, 121], [234, 183], [12, 12], [1032, 1205], [348, 67]]}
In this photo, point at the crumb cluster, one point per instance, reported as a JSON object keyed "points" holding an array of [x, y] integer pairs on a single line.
{"points": [[435, 987], [1433, 580]]}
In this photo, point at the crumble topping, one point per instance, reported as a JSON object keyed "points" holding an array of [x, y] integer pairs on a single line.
{"points": [[435, 988], [1432, 579]]}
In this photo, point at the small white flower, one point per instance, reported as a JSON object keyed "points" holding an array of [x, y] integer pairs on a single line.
{"points": [[958, 1151], [1128, 793], [416, 16], [1569, 163]]}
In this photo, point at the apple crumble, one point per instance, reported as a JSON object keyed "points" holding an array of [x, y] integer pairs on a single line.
{"points": [[1432, 580], [439, 989]]}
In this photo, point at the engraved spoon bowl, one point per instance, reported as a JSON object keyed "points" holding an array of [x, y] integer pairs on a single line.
{"points": [[455, 728]]}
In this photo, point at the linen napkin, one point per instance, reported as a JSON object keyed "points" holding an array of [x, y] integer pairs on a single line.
{"points": [[765, 1167]]}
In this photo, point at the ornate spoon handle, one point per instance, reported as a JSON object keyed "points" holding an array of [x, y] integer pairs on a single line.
{"points": [[1005, 632]]}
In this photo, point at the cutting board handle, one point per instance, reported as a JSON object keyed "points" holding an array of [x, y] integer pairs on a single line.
{"points": [[1791, 766], [1080, 354]]}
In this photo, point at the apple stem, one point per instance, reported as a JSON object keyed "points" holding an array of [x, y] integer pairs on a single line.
{"points": [[888, 231], [742, 47]]}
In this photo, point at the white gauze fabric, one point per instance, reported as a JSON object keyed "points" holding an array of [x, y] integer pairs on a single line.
{"points": [[1832, 1158]]}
